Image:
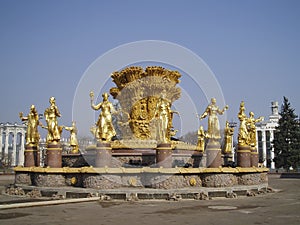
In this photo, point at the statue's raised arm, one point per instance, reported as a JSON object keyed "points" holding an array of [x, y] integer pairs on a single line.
{"points": [[212, 111]]}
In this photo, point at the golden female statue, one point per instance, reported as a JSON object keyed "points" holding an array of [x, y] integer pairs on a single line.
{"points": [[243, 137], [73, 137], [228, 138], [32, 135], [212, 111], [104, 126], [201, 139], [163, 112], [251, 121], [51, 114]]}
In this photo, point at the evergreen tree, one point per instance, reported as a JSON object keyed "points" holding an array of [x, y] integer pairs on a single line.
{"points": [[287, 138]]}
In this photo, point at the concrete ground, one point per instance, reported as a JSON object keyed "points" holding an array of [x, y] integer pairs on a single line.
{"points": [[281, 207]]}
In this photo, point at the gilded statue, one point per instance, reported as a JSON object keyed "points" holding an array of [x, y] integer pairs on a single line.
{"points": [[104, 127], [32, 134], [139, 92], [251, 121], [212, 111], [164, 115], [228, 135], [73, 137], [201, 139], [51, 114], [243, 136]]}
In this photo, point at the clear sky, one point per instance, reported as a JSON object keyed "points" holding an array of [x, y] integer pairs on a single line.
{"points": [[46, 46]]}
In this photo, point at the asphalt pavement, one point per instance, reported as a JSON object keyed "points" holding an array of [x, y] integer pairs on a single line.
{"points": [[280, 207]]}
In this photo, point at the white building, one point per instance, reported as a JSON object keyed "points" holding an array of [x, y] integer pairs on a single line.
{"points": [[265, 136], [12, 143]]}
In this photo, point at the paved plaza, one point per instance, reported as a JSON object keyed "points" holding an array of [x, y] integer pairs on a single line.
{"points": [[281, 207]]}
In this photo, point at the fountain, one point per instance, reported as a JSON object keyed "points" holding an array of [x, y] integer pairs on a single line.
{"points": [[145, 160]]}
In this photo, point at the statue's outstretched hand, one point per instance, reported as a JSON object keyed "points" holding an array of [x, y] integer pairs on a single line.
{"points": [[92, 96]]}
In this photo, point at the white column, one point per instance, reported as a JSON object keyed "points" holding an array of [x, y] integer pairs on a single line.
{"points": [[21, 152], [6, 143], [1, 137], [264, 147], [233, 148], [272, 154], [14, 150]]}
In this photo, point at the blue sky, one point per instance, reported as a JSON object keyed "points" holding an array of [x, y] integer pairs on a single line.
{"points": [[46, 46]]}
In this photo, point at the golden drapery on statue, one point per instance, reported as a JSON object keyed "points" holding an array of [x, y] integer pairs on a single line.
{"points": [[163, 113], [247, 129], [251, 121], [104, 127], [212, 111], [228, 138], [201, 139], [73, 137], [32, 134], [147, 115], [51, 114], [243, 137]]}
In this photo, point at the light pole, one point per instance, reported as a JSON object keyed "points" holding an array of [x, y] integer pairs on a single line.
{"points": [[233, 124]]}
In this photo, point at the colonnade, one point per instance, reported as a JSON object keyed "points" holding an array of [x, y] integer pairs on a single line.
{"points": [[265, 136], [12, 143]]}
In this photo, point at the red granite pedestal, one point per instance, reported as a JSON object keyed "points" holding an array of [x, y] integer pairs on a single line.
{"points": [[164, 155], [213, 154], [31, 156], [243, 156], [54, 155], [254, 157], [103, 154]]}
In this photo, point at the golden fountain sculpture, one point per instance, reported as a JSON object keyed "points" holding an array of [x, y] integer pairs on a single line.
{"points": [[247, 154], [201, 139], [212, 111], [213, 134], [251, 121], [143, 155], [32, 134], [73, 137], [228, 138], [146, 97], [243, 137], [104, 129], [51, 114], [247, 130]]}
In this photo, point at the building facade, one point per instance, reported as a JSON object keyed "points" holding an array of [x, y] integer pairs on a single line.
{"points": [[12, 143], [265, 136]]}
